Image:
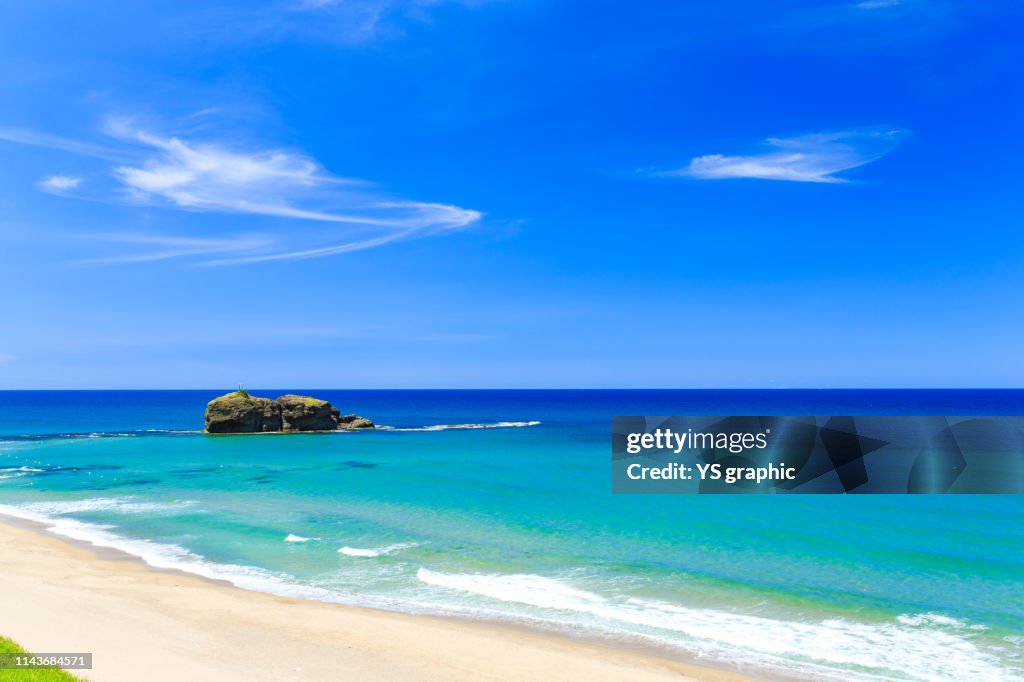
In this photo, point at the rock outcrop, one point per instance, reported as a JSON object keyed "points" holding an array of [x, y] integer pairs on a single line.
{"points": [[240, 412], [302, 413], [354, 421]]}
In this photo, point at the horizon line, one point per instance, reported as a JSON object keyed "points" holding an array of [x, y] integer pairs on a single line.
{"points": [[563, 388]]}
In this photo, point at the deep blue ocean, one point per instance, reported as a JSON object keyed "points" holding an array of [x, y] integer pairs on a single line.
{"points": [[496, 505]]}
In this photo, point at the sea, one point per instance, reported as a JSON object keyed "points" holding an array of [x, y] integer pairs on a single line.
{"points": [[496, 505]]}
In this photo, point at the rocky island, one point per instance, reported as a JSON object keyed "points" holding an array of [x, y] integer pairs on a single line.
{"points": [[239, 412]]}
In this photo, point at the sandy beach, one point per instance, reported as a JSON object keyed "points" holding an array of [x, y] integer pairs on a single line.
{"points": [[142, 623]]}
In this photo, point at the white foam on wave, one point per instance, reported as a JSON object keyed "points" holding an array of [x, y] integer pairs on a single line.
{"points": [[298, 538], [377, 551], [119, 505], [938, 620], [448, 427], [174, 557], [17, 472], [927, 650]]}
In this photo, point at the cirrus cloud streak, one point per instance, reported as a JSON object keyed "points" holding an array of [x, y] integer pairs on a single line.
{"points": [[325, 214], [817, 157]]}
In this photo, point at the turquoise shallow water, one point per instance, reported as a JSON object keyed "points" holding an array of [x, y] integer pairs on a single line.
{"points": [[516, 522]]}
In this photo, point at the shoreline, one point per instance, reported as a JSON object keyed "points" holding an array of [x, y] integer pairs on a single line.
{"points": [[142, 622]]}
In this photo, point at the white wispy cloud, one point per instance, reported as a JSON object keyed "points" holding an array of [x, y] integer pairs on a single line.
{"points": [[168, 247], [817, 157], [380, 8], [212, 176], [59, 183], [878, 4], [346, 22], [56, 142]]}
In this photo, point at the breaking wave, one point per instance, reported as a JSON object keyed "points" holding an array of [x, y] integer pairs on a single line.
{"points": [[911, 647], [377, 551], [449, 427]]}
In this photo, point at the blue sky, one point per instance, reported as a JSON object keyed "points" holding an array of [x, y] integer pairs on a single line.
{"points": [[511, 193]]}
